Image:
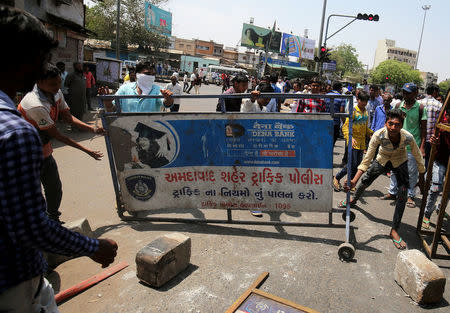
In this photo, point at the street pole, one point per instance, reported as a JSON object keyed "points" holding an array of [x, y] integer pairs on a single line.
{"points": [[425, 9], [117, 31], [321, 31]]}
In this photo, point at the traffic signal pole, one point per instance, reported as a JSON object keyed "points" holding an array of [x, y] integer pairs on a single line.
{"points": [[321, 33]]}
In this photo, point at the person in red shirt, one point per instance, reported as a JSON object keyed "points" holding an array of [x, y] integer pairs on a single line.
{"points": [[90, 83]]}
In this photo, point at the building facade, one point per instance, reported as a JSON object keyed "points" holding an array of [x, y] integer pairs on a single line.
{"points": [[248, 60], [65, 20], [428, 78], [218, 50], [386, 50], [185, 45], [230, 56], [203, 47]]}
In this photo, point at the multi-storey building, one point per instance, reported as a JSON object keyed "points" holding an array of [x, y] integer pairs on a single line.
{"points": [[386, 50]]}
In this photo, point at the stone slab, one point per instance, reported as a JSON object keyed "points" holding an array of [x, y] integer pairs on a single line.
{"points": [[419, 277], [163, 259]]}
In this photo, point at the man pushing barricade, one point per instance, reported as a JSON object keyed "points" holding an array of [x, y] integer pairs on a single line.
{"points": [[144, 85], [391, 142], [25, 229]]}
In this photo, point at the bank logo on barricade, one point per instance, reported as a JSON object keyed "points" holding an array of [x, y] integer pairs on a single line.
{"points": [[141, 187], [214, 161]]}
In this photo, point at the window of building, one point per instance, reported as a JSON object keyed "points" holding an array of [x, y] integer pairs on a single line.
{"points": [[244, 58], [188, 46], [181, 45], [204, 48]]}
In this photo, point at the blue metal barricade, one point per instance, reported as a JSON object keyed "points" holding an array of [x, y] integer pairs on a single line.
{"points": [[270, 162]]}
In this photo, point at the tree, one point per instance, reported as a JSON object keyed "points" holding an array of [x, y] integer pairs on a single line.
{"points": [[101, 19], [396, 72], [346, 58], [444, 86]]}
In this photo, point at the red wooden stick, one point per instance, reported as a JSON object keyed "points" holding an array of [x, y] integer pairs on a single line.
{"points": [[85, 284]]}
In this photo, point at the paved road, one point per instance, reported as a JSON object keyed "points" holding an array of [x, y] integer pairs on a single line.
{"points": [[226, 259]]}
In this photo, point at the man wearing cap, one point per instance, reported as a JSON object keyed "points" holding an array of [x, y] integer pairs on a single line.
{"points": [[416, 124], [144, 85]]}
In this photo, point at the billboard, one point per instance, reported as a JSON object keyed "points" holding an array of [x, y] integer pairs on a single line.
{"points": [[158, 19], [258, 37], [297, 46], [219, 161]]}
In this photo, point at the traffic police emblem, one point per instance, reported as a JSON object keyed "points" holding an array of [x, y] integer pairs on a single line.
{"points": [[141, 187]]}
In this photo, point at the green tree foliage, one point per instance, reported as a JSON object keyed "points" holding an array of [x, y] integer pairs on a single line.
{"points": [[101, 19], [398, 72], [346, 58], [444, 86]]}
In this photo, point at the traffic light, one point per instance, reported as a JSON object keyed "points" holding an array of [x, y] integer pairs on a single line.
{"points": [[387, 77], [324, 55], [368, 17]]}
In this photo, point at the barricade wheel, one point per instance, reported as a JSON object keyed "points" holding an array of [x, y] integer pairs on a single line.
{"points": [[352, 216], [346, 252]]}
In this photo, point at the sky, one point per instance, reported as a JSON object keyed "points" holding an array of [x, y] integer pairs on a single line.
{"points": [[400, 20]]}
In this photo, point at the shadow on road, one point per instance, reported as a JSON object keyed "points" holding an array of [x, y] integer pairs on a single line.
{"points": [[226, 231], [176, 280]]}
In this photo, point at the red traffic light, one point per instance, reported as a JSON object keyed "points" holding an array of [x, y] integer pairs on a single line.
{"points": [[368, 17], [387, 77], [323, 49]]}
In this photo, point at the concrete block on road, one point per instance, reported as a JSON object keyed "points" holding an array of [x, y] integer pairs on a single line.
{"points": [[419, 277], [80, 226], [163, 259]]}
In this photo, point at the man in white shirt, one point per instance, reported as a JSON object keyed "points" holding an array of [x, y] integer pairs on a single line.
{"points": [[175, 88], [193, 78], [255, 104]]}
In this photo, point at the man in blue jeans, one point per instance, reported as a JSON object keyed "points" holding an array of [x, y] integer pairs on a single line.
{"points": [[416, 124], [339, 107]]}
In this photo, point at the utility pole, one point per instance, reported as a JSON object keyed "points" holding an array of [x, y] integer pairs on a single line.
{"points": [[324, 9], [118, 31], [425, 9]]}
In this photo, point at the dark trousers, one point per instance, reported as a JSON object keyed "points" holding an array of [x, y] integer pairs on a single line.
{"points": [[357, 156], [185, 86], [52, 187], [401, 172], [427, 153], [192, 85], [175, 108], [88, 98], [337, 129]]}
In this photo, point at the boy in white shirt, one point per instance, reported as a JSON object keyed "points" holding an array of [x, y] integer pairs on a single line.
{"points": [[255, 104]]}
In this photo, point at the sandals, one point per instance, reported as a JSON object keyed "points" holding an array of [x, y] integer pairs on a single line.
{"points": [[389, 197], [410, 203], [426, 224], [343, 204], [336, 185], [398, 243]]}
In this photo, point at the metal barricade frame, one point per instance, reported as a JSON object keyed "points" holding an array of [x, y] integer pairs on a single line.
{"points": [[346, 250]]}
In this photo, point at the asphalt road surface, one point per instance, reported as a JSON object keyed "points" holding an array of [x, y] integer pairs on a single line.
{"points": [[226, 259]]}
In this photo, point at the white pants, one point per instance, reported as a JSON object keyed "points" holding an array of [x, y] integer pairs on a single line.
{"points": [[32, 296]]}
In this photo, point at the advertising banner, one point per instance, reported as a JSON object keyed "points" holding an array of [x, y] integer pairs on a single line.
{"points": [[280, 62], [297, 46], [258, 37], [158, 19], [269, 162]]}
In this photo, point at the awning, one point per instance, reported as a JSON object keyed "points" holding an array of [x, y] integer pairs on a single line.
{"points": [[293, 72]]}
